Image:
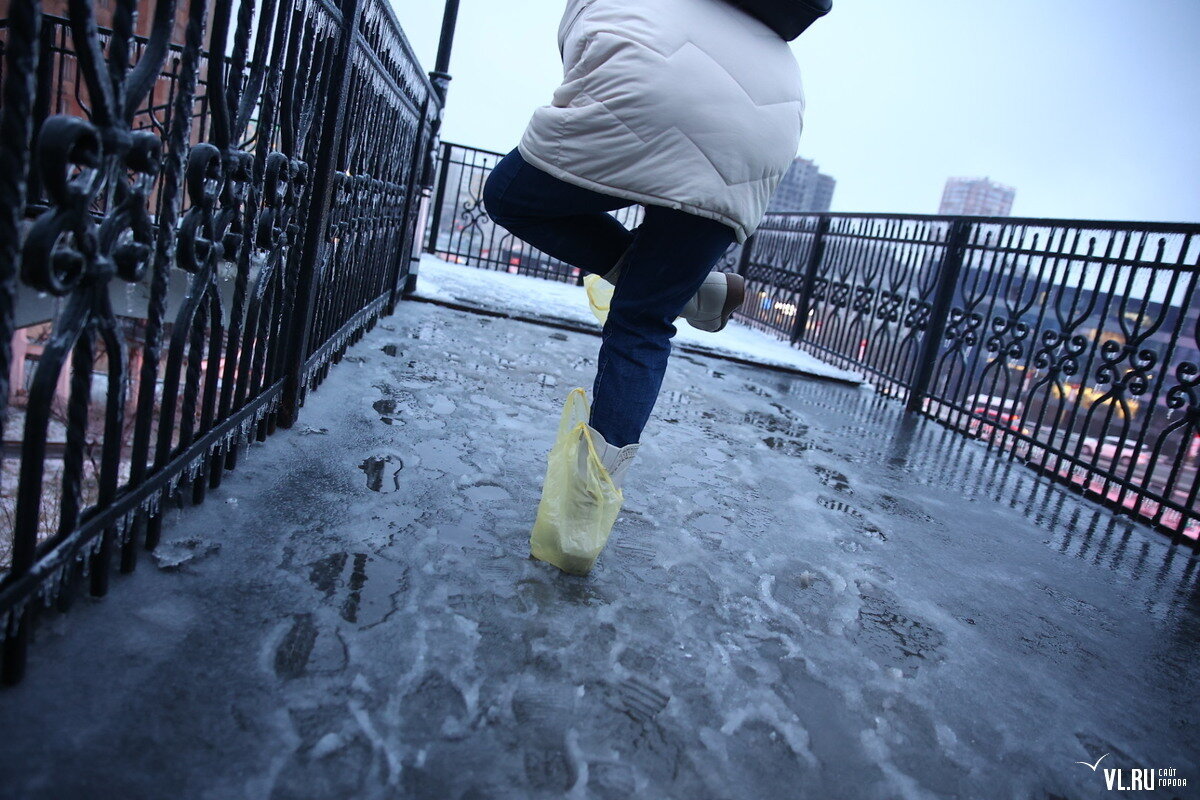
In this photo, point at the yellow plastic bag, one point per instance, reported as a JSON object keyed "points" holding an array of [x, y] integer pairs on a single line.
{"points": [[579, 500], [599, 292]]}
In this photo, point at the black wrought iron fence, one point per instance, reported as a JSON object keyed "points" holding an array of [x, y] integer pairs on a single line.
{"points": [[460, 231], [1072, 345], [260, 208]]}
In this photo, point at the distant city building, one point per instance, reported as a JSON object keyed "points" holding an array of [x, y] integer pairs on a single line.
{"points": [[803, 188], [976, 197]]}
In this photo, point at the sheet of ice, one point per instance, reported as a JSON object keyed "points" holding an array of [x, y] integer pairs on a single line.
{"points": [[441, 280], [807, 593]]}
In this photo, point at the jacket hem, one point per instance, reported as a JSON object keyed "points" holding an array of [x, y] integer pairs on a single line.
{"points": [[741, 231]]}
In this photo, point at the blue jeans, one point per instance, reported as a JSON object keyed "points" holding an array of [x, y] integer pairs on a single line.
{"points": [[669, 256]]}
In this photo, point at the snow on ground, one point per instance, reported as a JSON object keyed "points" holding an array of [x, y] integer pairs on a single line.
{"points": [[442, 280]]}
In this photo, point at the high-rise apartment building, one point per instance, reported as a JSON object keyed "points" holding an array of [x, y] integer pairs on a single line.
{"points": [[976, 197], [803, 188]]}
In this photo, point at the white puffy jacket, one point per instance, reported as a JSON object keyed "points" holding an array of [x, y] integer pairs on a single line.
{"points": [[689, 104]]}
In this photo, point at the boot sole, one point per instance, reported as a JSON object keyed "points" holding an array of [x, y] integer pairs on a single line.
{"points": [[735, 295]]}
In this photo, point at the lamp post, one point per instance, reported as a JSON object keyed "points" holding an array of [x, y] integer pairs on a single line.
{"points": [[441, 75], [440, 78]]}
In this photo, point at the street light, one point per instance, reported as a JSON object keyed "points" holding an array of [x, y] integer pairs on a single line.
{"points": [[440, 78]]}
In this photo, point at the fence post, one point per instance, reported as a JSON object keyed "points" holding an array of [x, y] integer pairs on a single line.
{"points": [[939, 313], [804, 303], [411, 206], [20, 86], [744, 256], [314, 241], [439, 198]]}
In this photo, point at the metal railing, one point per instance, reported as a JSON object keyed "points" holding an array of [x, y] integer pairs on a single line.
{"points": [[259, 212], [459, 229], [1072, 345]]}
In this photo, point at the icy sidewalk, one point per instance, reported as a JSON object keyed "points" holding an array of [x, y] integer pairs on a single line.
{"points": [[806, 596], [564, 302]]}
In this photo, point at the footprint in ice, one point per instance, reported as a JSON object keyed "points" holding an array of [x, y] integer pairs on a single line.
{"points": [[383, 473]]}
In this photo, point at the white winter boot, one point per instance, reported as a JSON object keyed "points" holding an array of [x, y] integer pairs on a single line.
{"points": [[721, 294], [615, 460]]}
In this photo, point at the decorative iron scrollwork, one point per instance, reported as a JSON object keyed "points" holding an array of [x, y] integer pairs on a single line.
{"points": [[279, 78], [200, 242], [1007, 338], [65, 246], [889, 306], [1185, 394]]}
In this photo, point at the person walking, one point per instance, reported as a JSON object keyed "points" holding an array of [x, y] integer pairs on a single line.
{"points": [[693, 109]]}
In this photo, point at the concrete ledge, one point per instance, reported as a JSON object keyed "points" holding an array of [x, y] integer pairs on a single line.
{"points": [[570, 325]]}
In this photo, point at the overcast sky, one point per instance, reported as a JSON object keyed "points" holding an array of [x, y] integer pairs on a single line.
{"points": [[1090, 108]]}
